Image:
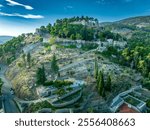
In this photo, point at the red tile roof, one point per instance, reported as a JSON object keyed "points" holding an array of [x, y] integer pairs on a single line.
{"points": [[126, 109]]}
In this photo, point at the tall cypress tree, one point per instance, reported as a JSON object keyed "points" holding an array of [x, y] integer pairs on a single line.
{"points": [[96, 69], [29, 59], [40, 75], [24, 58], [98, 79], [101, 84], [108, 83], [54, 65], [43, 76]]}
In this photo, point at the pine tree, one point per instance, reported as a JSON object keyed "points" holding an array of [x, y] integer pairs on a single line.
{"points": [[108, 83], [54, 65]]}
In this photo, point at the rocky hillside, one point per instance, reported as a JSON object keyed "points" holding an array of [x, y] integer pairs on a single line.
{"points": [[23, 77], [142, 21]]}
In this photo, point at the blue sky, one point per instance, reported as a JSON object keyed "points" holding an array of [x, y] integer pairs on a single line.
{"points": [[22, 16]]}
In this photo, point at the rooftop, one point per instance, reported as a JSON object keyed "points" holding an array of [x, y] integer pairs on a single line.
{"points": [[126, 109]]}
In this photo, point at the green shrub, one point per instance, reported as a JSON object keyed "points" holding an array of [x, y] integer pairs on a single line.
{"points": [[34, 107], [48, 83], [146, 83], [148, 103], [58, 83], [1, 84]]}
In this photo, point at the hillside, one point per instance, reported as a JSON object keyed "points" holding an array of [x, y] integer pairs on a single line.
{"points": [[137, 21], [4, 39], [79, 50]]}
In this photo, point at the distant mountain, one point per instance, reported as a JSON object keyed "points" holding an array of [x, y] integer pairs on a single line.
{"points": [[4, 39], [131, 27], [136, 21]]}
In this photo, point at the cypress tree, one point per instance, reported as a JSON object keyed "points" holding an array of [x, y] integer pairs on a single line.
{"points": [[40, 75], [54, 65], [29, 59], [24, 58], [43, 76], [108, 83], [101, 84], [98, 79], [96, 69]]}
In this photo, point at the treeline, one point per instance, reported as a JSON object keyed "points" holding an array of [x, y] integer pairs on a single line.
{"points": [[12, 45], [10, 48], [137, 56], [65, 28]]}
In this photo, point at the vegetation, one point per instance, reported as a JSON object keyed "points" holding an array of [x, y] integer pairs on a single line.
{"points": [[1, 84], [40, 75], [108, 83], [96, 69], [101, 85], [54, 66], [87, 47], [61, 92], [24, 59], [34, 107], [132, 101], [29, 59], [148, 103], [68, 98], [8, 50], [58, 83], [78, 28]]}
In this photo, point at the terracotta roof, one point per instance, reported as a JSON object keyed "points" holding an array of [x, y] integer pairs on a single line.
{"points": [[126, 109]]}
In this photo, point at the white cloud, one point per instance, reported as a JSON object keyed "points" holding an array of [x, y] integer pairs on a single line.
{"points": [[28, 16], [13, 3], [69, 7], [1, 6]]}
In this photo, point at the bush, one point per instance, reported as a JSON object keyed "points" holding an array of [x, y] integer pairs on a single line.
{"points": [[58, 83], [19, 64], [87, 47], [61, 92], [1, 84], [146, 83], [34, 107], [48, 83], [148, 103]]}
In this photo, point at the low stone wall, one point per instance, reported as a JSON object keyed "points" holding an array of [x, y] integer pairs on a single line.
{"points": [[58, 105], [68, 94]]}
